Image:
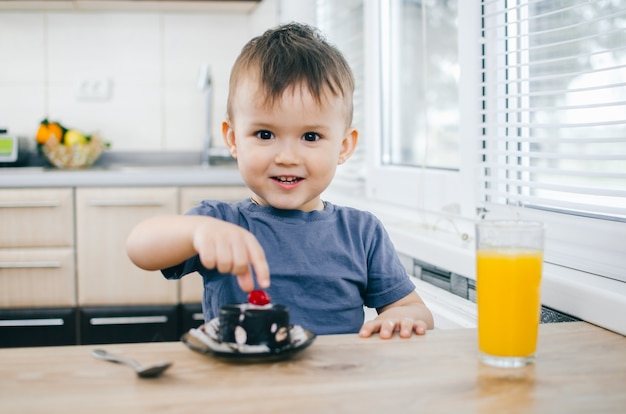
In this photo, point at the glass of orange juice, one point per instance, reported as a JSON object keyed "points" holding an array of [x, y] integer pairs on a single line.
{"points": [[509, 258]]}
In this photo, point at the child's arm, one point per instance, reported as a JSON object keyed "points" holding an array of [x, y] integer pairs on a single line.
{"points": [[406, 315], [166, 241]]}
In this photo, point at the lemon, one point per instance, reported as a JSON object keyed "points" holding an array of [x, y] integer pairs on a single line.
{"points": [[74, 137]]}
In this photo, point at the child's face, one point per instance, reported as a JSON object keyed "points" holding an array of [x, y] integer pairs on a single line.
{"points": [[287, 153]]}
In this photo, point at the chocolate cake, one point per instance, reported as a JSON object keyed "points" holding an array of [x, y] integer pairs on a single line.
{"points": [[255, 323]]}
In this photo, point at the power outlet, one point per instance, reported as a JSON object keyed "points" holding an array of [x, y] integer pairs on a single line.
{"points": [[93, 89]]}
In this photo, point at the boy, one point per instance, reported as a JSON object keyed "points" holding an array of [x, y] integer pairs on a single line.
{"points": [[289, 117]]}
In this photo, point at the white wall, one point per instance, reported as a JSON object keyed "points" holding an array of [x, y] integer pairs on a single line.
{"points": [[151, 57], [302, 11]]}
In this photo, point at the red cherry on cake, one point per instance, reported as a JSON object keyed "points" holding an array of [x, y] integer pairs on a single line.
{"points": [[258, 297]]}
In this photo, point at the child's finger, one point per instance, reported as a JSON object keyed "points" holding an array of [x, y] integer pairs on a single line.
{"points": [[207, 254], [387, 328], [371, 327], [259, 263], [366, 330], [420, 327], [407, 325], [245, 281], [240, 261]]}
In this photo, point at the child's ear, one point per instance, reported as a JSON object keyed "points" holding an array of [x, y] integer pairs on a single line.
{"points": [[229, 138], [348, 145]]}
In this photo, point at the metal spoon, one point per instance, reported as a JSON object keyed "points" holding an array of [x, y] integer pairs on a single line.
{"points": [[150, 371]]}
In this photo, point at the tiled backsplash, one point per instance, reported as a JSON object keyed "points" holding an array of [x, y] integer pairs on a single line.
{"points": [[151, 59], [465, 287]]}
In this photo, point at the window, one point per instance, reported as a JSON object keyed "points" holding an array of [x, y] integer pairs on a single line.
{"points": [[513, 108], [420, 75], [342, 24], [540, 114], [554, 124], [555, 104], [418, 142]]}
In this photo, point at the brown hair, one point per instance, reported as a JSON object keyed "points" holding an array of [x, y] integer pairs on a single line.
{"points": [[290, 55]]}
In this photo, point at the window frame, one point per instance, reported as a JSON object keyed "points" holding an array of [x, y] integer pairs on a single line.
{"points": [[415, 182], [453, 194]]}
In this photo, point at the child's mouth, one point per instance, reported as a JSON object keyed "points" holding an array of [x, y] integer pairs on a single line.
{"points": [[287, 180]]}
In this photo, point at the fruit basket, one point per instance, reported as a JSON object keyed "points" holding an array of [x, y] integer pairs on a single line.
{"points": [[68, 148], [73, 156]]}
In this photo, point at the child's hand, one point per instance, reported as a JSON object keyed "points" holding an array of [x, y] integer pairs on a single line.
{"points": [[232, 249], [387, 325], [407, 315]]}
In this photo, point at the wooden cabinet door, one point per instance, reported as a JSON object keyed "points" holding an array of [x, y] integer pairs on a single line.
{"points": [[36, 248], [37, 277], [191, 287], [36, 217], [104, 218]]}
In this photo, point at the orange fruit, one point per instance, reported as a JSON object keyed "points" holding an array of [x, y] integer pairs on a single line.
{"points": [[49, 130]]}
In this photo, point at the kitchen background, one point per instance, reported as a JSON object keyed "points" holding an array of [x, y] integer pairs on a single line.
{"points": [[132, 77], [128, 71]]}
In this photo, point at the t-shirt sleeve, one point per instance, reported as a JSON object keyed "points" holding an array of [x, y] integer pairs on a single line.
{"points": [[388, 281], [176, 272]]}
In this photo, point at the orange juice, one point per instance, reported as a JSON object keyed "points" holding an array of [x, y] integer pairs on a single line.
{"points": [[508, 283]]}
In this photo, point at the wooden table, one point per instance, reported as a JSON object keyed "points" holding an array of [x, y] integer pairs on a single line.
{"points": [[579, 368]]}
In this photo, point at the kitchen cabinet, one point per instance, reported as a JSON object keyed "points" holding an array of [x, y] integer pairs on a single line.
{"points": [[116, 324], [104, 218], [191, 287], [36, 217], [37, 248], [65, 277], [37, 277], [37, 272], [38, 327]]}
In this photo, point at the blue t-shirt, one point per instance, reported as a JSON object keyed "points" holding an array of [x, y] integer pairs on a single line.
{"points": [[324, 265]]}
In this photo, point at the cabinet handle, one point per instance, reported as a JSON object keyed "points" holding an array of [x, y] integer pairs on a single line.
{"points": [[125, 203], [30, 265], [128, 320], [197, 316], [32, 322], [29, 204]]}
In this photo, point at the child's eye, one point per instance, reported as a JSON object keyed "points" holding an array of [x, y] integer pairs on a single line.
{"points": [[310, 136], [264, 135]]}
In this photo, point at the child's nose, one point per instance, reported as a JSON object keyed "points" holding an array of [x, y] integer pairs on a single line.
{"points": [[287, 153]]}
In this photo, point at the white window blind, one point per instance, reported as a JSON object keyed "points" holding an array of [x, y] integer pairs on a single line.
{"points": [[554, 106], [342, 23]]}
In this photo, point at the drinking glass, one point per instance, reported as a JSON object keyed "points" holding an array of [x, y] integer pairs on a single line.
{"points": [[509, 258]]}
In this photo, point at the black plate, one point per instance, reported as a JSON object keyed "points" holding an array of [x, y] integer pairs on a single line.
{"points": [[210, 345]]}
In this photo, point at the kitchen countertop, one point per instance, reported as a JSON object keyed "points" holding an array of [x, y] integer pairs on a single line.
{"points": [[31, 177], [128, 169], [579, 368]]}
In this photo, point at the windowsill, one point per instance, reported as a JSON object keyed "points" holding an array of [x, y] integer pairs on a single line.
{"points": [[450, 246], [449, 311]]}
